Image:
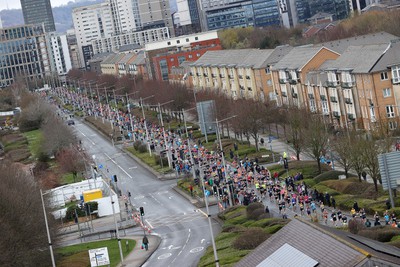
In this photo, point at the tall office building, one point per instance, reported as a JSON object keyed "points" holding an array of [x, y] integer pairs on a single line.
{"points": [[24, 53], [38, 12]]}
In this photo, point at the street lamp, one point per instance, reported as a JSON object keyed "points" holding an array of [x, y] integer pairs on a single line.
{"points": [[209, 220], [223, 157], [47, 229], [162, 125], [145, 123]]}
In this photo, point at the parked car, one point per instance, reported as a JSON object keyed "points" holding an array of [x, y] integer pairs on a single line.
{"points": [[70, 122]]}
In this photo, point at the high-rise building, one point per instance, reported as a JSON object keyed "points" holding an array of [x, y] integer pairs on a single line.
{"points": [[24, 53], [186, 18], [91, 23], [340, 9], [59, 54], [123, 16], [38, 12], [155, 14]]}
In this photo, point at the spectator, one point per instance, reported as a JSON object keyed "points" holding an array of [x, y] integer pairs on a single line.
{"points": [[333, 201], [355, 206], [367, 223]]}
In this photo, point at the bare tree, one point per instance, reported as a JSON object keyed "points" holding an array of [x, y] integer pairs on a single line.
{"points": [[70, 160], [34, 112], [295, 119], [56, 135], [23, 239], [316, 138]]}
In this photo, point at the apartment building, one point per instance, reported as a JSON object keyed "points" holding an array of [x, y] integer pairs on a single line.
{"points": [[61, 60], [290, 73], [243, 73], [38, 12], [110, 64], [163, 55], [155, 14]]}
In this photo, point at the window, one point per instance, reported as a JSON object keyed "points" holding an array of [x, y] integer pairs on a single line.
{"points": [[178, 41], [392, 125], [313, 107], [196, 38], [384, 76], [372, 114], [168, 43], [325, 107], [269, 82], [396, 74], [386, 92], [390, 111], [172, 59], [190, 56]]}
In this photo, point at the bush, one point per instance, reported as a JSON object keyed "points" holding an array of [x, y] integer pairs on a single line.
{"points": [[381, 234], [136, 145], [356, 225], [253, 206], [70, 214], [233, 229], [256, 214], [250, 239], [330, 175], [18, 155], [158, 159], [142, 148]]}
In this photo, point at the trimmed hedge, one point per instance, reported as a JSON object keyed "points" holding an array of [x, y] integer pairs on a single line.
{"points": [[250, 239]]}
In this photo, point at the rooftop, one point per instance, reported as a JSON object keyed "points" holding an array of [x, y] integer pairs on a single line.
{"points": [[297, 57]]}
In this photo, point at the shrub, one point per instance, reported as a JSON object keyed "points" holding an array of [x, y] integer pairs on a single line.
{"points": [[136, 145], [274, 228], [250, 239], [158, 159], [18, 155], [381, 234], [70, 214], [256, 214], [265, 216], [356, 225], [142, 149], [253, 206], [330, 175], [233, 229]]}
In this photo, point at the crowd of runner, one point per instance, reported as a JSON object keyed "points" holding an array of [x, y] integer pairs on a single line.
{"points": [[240, 181]]}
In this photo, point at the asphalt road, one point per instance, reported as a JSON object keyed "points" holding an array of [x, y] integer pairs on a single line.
{"points": [[183, 228]]}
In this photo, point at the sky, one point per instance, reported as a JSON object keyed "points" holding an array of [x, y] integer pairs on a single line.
{"points": [[13, 4]]}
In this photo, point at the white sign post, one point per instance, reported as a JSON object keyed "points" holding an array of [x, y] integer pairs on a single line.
{"points": [[99, 257]]}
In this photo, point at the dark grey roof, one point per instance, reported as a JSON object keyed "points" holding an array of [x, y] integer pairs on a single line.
{"points": [[129, 47], [297, 57], [139, 60], [254, 58], [358, 59], [101, 56], [310, 240], [278, 53], [126, 58], [341, 45], [108, 59], [390, 58], [320, 15]]}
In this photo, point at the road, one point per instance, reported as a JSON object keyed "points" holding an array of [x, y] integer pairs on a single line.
{"points": [[183, 228]]}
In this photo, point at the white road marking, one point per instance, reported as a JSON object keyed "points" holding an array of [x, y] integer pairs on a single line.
{"points": [[134, 167], [118, 165], [156, 200], [86, 137], [151, 226], [164, 256], [184, 246], [195, 250], [139, 197], [205, 214], [202, 241]]}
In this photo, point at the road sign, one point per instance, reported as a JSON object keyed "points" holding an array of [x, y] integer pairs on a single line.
{"points": [[390, 170], [99, 257]]}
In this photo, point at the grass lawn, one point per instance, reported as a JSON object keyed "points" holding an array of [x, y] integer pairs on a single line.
{"points": [[34, 140], [68, 178], [78, 255], [149, 160], [236, 224]]}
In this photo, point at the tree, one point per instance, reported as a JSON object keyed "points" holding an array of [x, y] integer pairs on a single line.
{"points": [[316, 138], [23, 239], [34, 112], [295, 120], [70, 160], [56, 136], [356, 153], [344, 150]]}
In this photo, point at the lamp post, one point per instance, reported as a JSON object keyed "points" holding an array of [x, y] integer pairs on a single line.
{"points": [[116, 231], [209, 221], [223, 157], [163, 129], [145, 123], [48, 231]]}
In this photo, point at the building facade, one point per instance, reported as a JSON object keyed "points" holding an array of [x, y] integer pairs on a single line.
{"points": [[177, 45], [24, 53], [38, 12], [59, 51], [155, 14]]}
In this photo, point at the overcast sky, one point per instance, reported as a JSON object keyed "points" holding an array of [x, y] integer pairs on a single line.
{"points": [[12, 4]]}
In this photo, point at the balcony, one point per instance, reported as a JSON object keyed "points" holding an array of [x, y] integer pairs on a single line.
{"points": [[222, 76], [331, 83], [293, 81], [333, 99], [230, 76], [284, 94], [294, 95], [336, 114], [323, 97], [395, 80], [348, 101], [283, 81], [351, 116], [310, 96], [240, 76], [247, 77], [205, 75], [371, 104], [347, 84], [213, 75]]}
